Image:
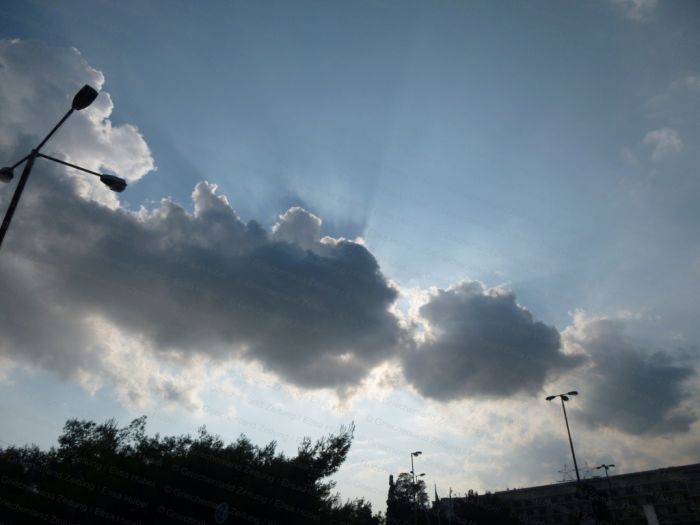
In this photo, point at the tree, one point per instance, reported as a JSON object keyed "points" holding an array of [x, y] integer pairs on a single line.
{"points": [[405, 499], [486, 509], [100, 473]]}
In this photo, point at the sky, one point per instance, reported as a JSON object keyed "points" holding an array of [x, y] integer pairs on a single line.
{"points": [[422, 217]]}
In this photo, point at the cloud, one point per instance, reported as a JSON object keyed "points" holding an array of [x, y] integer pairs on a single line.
{"points": [[688, 82], [298, 226], [629, 387], [154, 303], [664, 142], [638, 10], [202, 283], [140, 376], [37, 83], [314, 311], [479, 342]]}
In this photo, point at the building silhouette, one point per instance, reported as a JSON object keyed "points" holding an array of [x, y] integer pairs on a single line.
{"points": [[668, 495]]}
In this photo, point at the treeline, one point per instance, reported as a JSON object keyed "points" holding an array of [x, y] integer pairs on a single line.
{"points": [[408, 504], [103, 474]]}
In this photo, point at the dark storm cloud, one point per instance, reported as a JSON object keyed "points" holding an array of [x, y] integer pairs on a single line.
{"points": [[316, 313], [628, 387], [483, 344]]}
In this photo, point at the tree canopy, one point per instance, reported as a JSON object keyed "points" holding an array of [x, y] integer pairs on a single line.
{"points": [[406, 499], [101, 473]]}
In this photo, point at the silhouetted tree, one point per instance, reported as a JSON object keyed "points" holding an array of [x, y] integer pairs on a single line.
{"points": [[100, 473], [406, 500]]}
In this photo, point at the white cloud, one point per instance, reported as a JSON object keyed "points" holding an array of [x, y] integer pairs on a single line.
{"points": [[664, 142], [298, 226], [140, 377], [690, 82], [37, 84], [638, 10]]}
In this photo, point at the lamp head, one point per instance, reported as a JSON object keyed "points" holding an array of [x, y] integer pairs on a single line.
{"points": [[416, 453], [549, 398], [113, 182], [572, 393], [84, 97], [6, 174]]}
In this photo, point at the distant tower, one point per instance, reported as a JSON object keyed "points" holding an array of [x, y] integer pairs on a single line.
{"points": [[566, 474]]}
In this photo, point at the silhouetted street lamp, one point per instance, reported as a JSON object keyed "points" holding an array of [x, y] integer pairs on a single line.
{"points": [[82, 99], [606, 467], [416, 454], [415, 485], [565, 397]]}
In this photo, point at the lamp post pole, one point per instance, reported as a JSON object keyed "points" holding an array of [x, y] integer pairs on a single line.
{"points": [[571, 443], [610, 498], [565, 397], [17, 194], [607, 477], [415, 485], [413, 472], [82, 99]]}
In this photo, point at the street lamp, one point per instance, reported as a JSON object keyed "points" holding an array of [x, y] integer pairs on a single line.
{"points": [[81, 100], [565, 397], [607, 467], [416, 454], [415, 485]]}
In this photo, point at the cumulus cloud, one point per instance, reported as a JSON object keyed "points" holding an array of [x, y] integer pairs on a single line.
{"points": [[37, 84], [298, 226], [480, 342], [664, 142], [201, 282], [629, 387], [314, 311], [139, 376], [638, 10], [154, 303]]}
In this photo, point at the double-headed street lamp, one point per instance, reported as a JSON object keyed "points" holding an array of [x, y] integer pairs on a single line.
{"points": [[565, 397], [82, 99], [415, 484], [607, 467], [413, 473]]}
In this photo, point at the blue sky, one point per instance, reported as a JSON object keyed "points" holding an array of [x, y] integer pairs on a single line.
{"points": [[546, 148]]}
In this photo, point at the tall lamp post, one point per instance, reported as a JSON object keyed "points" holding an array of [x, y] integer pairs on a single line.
{"points": [[610, 498], [413, 473], [607, 467], [565, 397], [81, 100], [415, 486]]}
